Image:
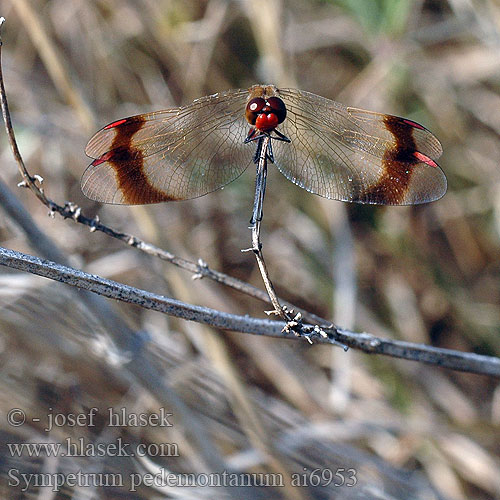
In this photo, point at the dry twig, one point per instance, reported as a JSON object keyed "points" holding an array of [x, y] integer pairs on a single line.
{"points": [[326, 334], [446, 358]]}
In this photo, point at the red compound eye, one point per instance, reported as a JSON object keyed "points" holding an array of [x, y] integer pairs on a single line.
{"points": [[278, 107], [266, 122]]}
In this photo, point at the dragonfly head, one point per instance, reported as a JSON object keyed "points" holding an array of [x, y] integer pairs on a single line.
{"points": [[265, 113]]}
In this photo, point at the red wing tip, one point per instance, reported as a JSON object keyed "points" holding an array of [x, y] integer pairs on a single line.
{"points": [[413, 124], [104, 157], [115, 124], [425, 159]]}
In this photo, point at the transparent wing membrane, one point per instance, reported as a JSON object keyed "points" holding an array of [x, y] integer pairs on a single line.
{"points": [[181, 153], [338, 152]]}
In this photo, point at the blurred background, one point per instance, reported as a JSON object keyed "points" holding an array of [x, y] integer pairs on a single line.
{"points": [[426, 274]]}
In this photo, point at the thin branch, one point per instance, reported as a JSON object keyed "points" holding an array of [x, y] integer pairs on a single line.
{"points": [[367, 343], [447, 358]]}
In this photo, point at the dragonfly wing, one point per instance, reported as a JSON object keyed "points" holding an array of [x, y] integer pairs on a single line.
{"points": [[169, 155], [350, 154]]}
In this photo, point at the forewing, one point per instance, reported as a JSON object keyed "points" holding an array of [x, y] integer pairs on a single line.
{"points": [[350, 154], [168, 155]]}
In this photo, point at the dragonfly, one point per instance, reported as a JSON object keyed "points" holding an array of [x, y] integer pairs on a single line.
{"points": [[327, 148]]}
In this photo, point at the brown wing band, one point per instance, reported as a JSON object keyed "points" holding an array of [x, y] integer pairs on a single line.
{"points": [[128, 163], [398, 162]]}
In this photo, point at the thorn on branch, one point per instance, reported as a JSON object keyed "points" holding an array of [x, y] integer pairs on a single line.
{"points": [[36, 180], [272, 312]]}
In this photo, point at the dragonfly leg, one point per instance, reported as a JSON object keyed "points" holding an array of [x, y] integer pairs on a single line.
{"points": [[251, 136], [258, 150], [269, 153], [281, 137]]}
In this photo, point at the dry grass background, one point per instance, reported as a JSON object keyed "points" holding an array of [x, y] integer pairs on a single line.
{"points": [[424, 274]]}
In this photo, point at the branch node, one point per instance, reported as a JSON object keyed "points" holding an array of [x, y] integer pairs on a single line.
{"points": [[77, 213], [70, 207], [202, 269], [319, 331], [94, 223], [70, 210]]}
